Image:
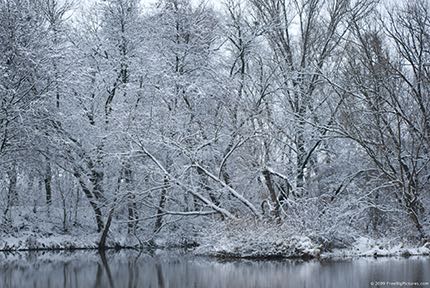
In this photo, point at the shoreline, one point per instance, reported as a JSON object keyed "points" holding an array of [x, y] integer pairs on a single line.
{"points": [[17, 245]]}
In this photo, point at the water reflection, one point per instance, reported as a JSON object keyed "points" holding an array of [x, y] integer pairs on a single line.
{"points": [[166, 269]]}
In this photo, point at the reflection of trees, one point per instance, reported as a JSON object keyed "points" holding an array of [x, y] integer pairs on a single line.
{"points": [[160, 277], [133, 271], [87, 269], [104, 266], [99, 275], [107, 268]]}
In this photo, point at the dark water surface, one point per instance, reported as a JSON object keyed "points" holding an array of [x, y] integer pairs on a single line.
{"points": [[174, 269]]}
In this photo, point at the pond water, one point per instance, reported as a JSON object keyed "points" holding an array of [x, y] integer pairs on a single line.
{"points": [[174, 269]]}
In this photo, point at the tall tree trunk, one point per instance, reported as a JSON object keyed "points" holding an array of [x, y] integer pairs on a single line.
{"points": [[97, 174], [105, 230], [78, 197], [132, 206], [300, 146], [161, 206], [12, 193], [205, 186], [93, 201], [273, 197], [48, 184], [414, 209]]}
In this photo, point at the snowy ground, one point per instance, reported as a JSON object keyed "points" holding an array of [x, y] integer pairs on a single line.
{"points": [[237, 240], [43, 230], [234, 247], [366, 247], [272, 241]]}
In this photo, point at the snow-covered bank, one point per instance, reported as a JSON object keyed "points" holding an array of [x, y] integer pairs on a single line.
{"points": [[259, 246], [294, 247], [228, 239], [61, 242], [273, 241], [303, 247], [31, 242], [367, 247], [45, 231]]}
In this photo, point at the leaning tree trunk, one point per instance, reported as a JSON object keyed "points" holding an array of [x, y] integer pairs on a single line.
{"points": [[103, 238], [93, 201]]}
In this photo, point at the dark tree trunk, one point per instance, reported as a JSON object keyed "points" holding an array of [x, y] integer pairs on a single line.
{"points": [[205, 186], [161, 206], [48, 182], [132, 206], [12, 193], [300, 176], [97, 175], [103, 238], [273, 197], [414, 209], [92, 200]]}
